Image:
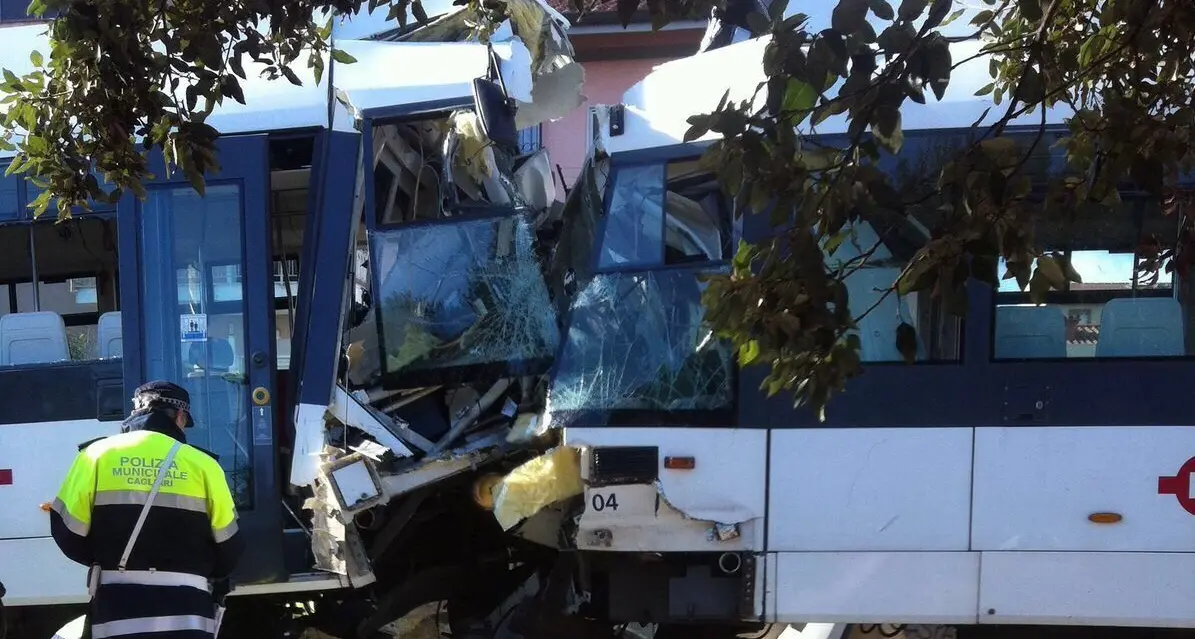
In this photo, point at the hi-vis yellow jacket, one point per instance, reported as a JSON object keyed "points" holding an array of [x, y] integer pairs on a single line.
{"points": [[192, 526]]}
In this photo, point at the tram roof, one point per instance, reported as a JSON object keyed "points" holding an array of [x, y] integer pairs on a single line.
{"points": [[656, 109], [388, 77]]}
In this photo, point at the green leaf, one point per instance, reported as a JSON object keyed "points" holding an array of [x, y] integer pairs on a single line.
{"points": [[835, 241], [776, 10], [849, 16], [911, 9], [987, 88], [937, 66], [316, 62], [882, 9], [748, 352], [886, 128], [1039, 285], [918, 275], [799, 98], [419, 12], [906, 342], [1068, 269], [234, 63], [953, 16], [231, 87], [291, 77], [1031, 90], [983, 17], [342, 56], [897, 38], [828, 109], [1054, 273], [699, 126], [937, 12], [1031, 9], [36, 58]]}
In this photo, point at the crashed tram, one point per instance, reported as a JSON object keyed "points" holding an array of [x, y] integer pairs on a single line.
{"points": [[1029, 473], [438, 391]]}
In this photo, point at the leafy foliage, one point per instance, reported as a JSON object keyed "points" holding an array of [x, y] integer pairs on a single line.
{"points": [[121, 78], [1124, 67]]}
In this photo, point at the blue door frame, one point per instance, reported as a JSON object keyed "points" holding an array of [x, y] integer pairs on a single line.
{"points": [[325, 263], [219, 341]]}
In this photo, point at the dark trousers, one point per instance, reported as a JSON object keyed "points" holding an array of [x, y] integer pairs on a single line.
{"points": [[129, 611]]}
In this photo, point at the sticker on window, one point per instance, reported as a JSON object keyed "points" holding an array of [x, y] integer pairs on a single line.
{"points": [[193, 327]]}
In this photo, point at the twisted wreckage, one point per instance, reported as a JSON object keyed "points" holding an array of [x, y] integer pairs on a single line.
{"points": [[476, 328], [405, 351], [436, 389]]}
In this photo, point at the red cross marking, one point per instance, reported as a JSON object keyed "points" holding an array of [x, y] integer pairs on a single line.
{"points": [[1181, 486]]}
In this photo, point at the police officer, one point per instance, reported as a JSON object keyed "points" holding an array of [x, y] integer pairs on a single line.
{"points": [[151, 568]]}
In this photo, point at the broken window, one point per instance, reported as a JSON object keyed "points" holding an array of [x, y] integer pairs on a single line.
{"points": [[661, 214], [458, 294], [637, 341]]}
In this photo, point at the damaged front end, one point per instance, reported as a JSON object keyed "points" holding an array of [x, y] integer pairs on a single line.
{"points": [[491, 335], [449, 325]]}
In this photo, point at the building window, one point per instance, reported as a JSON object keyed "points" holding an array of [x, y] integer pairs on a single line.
{"points": [[531, 139]]}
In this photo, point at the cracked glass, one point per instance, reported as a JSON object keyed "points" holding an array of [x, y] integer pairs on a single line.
{"points": [[638, 341], [664, 214], [463, 293]]}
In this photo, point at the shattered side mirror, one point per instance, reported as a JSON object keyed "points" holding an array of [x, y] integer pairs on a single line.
{"points": [[496, 114]]}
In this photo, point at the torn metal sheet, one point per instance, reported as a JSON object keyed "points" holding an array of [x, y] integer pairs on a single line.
{"points": [[337, 546], [545, 480], [527, 427], [718, 514], [536, 30], [349, 411], [534, 182], [488, 447], [553, 96], [371, 449]]}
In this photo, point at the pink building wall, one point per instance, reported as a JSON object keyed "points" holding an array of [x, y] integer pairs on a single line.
{"points": [[605, 82]]}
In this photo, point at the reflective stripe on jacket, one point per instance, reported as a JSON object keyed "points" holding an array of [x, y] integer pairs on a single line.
{"points": [[191, 529]]}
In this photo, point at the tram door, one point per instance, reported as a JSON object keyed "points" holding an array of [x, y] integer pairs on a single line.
{"points": [[199, 311]]}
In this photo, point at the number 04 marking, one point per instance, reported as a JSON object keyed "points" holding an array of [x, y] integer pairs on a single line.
{"points": [[601, 502]]}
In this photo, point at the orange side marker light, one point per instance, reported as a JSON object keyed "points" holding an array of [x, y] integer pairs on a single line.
{"points": [[680, 463]]}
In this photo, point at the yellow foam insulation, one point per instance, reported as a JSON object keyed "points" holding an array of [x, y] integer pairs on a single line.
{"points": [[545, 480], [474, 154], [527, 17]]}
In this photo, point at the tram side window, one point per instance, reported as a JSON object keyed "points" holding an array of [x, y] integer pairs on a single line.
{"points": [[636, 338], [878, 311], [1115, 311], [58, 292], [664, 214]]}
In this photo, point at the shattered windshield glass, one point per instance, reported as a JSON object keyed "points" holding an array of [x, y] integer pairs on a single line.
{"points": [[636, 341], [462, 293]]}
